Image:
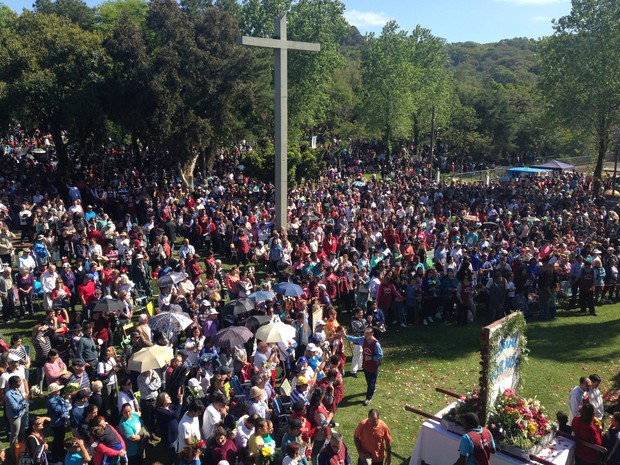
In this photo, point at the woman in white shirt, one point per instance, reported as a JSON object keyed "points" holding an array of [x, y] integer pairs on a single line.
{"points": [[194, 345]]}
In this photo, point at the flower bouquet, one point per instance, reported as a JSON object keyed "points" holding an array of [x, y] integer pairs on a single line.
{"points": [[519, 425], [471, 403], [267, 452]]}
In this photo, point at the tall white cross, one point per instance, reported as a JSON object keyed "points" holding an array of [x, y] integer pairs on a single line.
{"points": [[281, 45]]}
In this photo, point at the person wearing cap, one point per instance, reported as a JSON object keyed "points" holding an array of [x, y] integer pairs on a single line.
{"points": [[314, 356], [15, 369], [373, 440], [258, 403], [300, 392], [26, 260], [58, 409], [476, 444], [210, 327], [79, 376], [372, 354]]}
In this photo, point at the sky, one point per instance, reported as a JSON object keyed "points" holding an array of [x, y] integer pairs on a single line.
{"points": [[480, 21]]}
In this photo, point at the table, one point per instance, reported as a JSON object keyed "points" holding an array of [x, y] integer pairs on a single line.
{"points": [[437, 446]]}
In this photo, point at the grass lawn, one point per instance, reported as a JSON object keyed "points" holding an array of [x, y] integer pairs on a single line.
{"points": [[419, 359]]}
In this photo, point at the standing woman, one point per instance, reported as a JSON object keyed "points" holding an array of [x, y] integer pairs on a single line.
{"points": [[320, 419], [106, 372], [25, 284], [194, 345], [35, 441], [18, 349], [168, 415], [42, 346], [129, 428], [585, 429]]}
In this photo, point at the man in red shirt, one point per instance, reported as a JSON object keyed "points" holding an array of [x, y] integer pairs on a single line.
{"points": [[86, 291], [335, 453]]}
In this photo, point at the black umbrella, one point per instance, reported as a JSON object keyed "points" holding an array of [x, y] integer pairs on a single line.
{"points": [[233, 336], [239, 306], [165, 280], [108, 305], [256, 321], [489, 224]]}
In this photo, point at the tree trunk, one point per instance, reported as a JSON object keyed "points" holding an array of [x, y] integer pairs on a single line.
{"points": [[61, 150], [186, 170], [137, 151], [602, 135]]}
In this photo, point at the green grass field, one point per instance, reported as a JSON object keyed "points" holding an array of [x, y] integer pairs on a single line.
{"points": [[418, 359]]}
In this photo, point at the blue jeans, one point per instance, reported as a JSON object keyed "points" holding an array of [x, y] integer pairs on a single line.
{"points": [[371, 383]]}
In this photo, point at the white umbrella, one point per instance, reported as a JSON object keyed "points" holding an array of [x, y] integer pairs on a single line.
{"points": [[275, 332], [150, 358]]}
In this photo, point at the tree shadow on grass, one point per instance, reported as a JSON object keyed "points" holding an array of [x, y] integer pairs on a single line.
{"points": [[577, 338], [586, 341]]}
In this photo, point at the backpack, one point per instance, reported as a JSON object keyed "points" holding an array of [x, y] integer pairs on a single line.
{"points": [[40, 250]]}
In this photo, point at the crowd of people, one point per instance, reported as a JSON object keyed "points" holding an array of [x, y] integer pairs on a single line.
{"points": [[394, 250]]}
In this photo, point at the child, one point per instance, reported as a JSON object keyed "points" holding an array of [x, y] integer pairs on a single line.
{"points": [[292, 454], [563, 425], [103, 434], [76, 452], [189, 455]]}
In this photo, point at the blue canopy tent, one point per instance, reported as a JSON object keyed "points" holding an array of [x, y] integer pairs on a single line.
{"points": [[526, 170]]}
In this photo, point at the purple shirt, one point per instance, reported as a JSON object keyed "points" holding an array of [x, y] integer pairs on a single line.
{"points": [[210, 328]]}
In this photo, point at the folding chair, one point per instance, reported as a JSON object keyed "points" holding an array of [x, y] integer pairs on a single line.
{"points": [[281, 412], [240, 393], [286, 387], [127, 328]]}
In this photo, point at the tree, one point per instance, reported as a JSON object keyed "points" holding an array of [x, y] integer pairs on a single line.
{"points": [[109, 13], [404, 77], [77, 11], [199, 79], [53, 71], [130, 99], [580, 68], [7, 16]]}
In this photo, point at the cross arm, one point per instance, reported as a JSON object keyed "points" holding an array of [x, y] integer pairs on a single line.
{"points": [[278, 44]]}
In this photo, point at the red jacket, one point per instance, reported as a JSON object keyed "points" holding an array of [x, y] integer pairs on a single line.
{"points": [[589, 433]]}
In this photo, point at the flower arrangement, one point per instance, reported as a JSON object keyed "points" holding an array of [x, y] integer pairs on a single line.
{"points": [[267, 452], [520, 422], [465, 404]]}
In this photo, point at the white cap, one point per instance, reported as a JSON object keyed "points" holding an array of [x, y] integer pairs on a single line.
{"points": [[13, 357]]}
